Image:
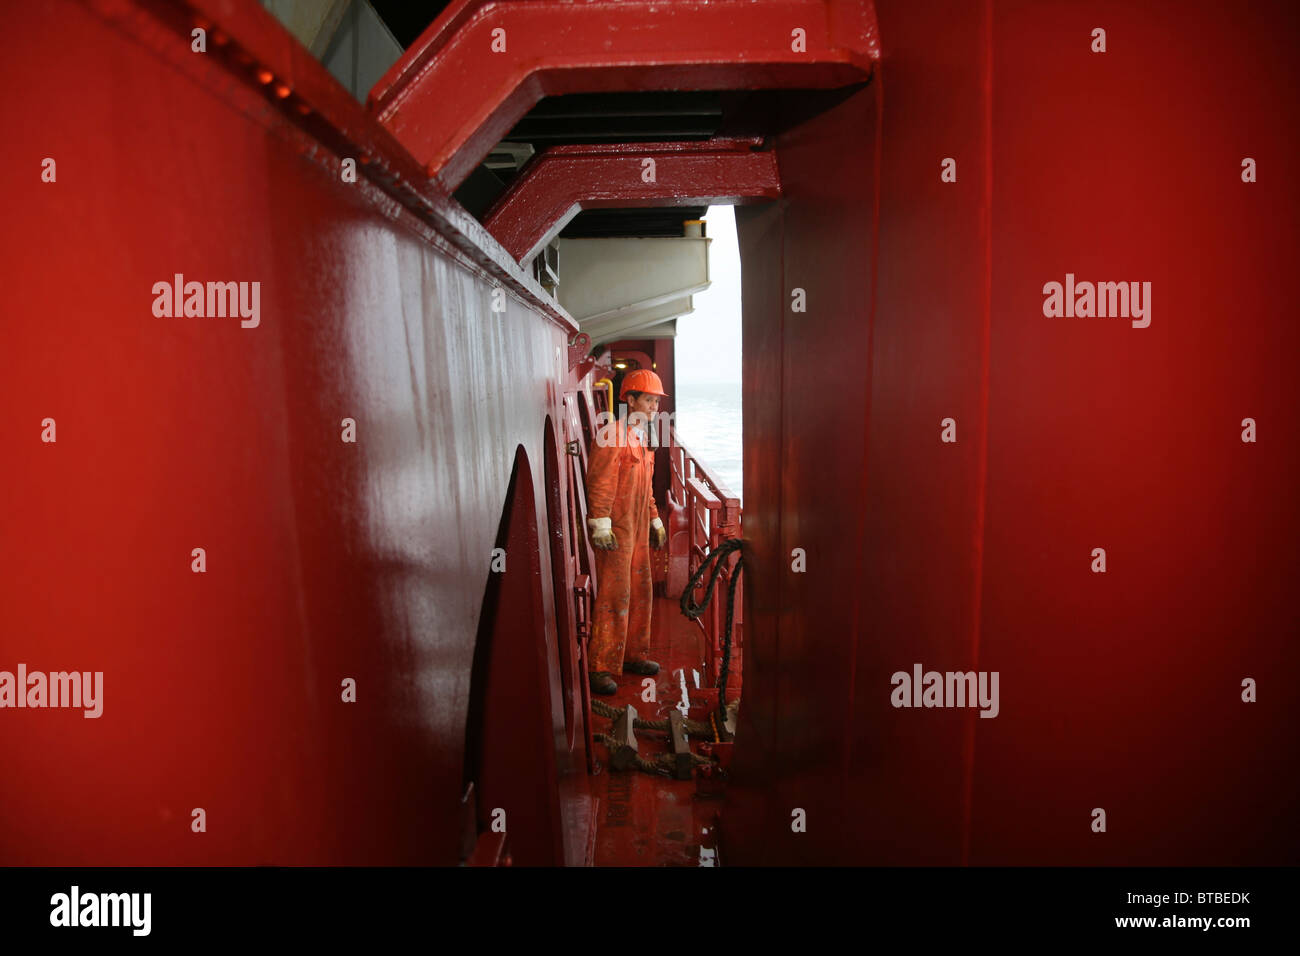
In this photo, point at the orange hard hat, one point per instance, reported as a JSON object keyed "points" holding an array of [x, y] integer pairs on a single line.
{"points": [[642, 380]]}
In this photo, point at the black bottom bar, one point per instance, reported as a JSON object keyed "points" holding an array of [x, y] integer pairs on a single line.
{"points": [[463, 906]]}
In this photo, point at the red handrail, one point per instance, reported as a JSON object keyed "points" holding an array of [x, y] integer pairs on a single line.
{"points": [[713, 515]]}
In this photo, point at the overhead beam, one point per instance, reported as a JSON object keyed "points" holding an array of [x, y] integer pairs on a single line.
{"points": [[483, 64], [563, 180]]}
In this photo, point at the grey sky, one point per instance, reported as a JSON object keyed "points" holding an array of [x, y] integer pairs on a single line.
{"points": [[708, 340]]}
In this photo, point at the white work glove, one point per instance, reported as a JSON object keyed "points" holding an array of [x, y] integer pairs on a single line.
{"points": [[602, 533], [658, 534]]}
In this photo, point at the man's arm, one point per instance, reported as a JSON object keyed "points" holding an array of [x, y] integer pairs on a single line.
{"points": [[602, 474], [602, 485]]}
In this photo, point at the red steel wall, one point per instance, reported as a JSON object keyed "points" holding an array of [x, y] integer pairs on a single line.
{"points": [[1120, 691], [325, 560]]}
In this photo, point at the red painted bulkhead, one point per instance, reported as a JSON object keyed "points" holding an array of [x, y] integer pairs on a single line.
{"points": [[325, 560], [1121, 690]]}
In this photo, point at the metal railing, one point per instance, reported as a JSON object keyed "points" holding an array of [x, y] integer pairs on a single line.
{"points": [[713, 514]]}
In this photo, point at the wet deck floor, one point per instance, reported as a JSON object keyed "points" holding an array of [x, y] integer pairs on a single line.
{"points": [[645, 820]]}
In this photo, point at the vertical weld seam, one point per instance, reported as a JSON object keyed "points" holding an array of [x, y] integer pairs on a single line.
{"points": [[858, 539], [981, 477]]}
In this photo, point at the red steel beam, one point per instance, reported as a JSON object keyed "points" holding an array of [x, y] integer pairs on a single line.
{"points": [[483, 64], [563, 180]]}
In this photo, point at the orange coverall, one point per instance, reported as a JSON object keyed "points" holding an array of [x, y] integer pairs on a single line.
{"points": [[619, 487]]}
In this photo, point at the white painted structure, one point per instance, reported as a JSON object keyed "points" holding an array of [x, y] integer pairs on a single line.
{"points": [[631, 288]]}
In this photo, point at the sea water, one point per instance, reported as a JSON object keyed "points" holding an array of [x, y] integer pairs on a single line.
{"points": [[708, 419]]}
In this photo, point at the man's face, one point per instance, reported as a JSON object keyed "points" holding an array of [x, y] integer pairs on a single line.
{"points": [[646, 405], [641, 410]]}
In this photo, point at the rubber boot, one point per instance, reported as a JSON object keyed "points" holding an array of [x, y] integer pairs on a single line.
{"points": [[602, 682], [640, 667]]}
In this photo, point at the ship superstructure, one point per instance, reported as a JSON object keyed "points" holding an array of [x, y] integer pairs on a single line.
{"points": [[309, 335]]}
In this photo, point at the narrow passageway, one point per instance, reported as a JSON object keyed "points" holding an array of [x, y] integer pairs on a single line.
{"points": [[645, 820]]}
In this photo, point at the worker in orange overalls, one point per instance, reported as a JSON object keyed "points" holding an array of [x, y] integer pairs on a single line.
{"points": [[623, 521]]}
